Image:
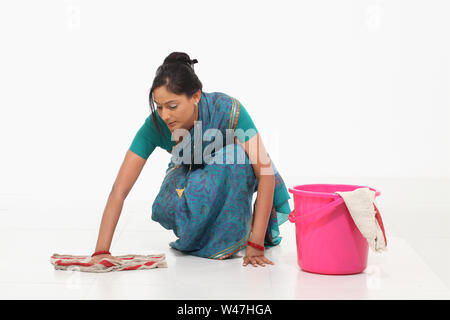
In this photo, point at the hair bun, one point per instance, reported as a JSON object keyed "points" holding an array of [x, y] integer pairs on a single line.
{"points": [[180, 57]]}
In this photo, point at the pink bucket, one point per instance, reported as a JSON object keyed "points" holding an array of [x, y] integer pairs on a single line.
{"points": [[328, 241]]}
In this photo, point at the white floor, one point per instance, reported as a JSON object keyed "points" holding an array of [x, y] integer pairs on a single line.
{"points": [[412, 268]]}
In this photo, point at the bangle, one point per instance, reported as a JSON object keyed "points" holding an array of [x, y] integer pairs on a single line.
{"points": [[100, 252], [254, 245]]}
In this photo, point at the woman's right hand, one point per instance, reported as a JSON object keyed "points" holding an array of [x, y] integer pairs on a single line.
{"points": [[96, 259]]}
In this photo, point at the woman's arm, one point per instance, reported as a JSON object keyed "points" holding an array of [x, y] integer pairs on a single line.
{"points": [[262, 166], [127, 176], [263, 207]]}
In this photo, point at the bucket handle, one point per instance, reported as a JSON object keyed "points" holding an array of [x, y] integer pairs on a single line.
{"points": [[316, 214]]}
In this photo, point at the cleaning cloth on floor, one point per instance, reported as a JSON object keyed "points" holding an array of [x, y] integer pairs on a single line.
{"points": [[128, 262], [361, 205]]}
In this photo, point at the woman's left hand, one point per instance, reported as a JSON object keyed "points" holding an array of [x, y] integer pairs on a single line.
{"points": [[255, 256]]}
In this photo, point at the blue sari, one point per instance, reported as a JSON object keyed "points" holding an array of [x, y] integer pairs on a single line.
{"points": [[212, 217]]}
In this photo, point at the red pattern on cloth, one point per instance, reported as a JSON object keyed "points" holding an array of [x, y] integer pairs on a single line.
{"points": [[128, 262]]}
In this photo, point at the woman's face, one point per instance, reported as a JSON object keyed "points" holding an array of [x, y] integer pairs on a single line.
{"points": [[177, 111]]}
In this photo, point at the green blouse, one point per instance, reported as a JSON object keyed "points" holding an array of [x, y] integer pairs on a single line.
{"points": [[148, 137]]}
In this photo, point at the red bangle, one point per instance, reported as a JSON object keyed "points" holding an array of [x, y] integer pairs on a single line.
{"points": [[100, 252], [254, 245]]}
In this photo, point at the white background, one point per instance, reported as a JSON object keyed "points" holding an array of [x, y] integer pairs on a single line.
{"points": [[353, 92], [340, 91]]}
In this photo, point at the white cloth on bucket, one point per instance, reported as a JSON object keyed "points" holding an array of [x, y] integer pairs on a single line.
{"points": [[360, 204]]}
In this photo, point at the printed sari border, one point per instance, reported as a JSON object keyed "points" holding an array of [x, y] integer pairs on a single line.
{"points": [[230, 250], [231, 253], [234, 113]]}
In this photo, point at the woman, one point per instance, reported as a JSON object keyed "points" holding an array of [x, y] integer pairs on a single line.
{"points": [[207, 192]]}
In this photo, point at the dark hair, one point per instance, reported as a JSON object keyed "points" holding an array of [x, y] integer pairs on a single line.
{"points": [[177, 74]]}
